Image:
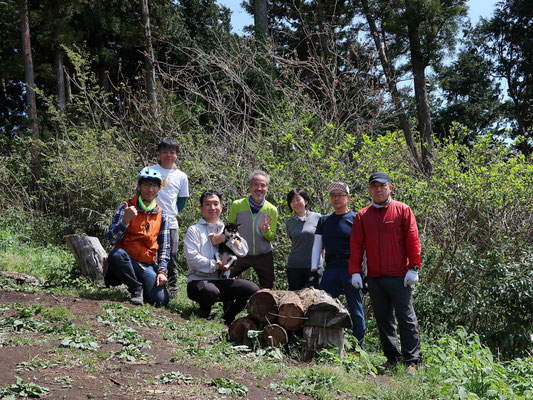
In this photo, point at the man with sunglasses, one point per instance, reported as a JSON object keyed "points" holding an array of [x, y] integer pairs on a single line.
{"points": [[333, 235], [141, 237]]}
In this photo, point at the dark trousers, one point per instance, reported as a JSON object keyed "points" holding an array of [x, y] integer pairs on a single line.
{"points": [[172, 275], [388, 297], [263, 265], [122, 269], [338, 280], [234, 292]]}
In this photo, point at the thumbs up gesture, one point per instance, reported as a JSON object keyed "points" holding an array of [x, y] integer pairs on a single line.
{"points": [[266, 224], [130, 212]]}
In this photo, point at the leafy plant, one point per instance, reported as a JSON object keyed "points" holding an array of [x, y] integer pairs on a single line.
{"points": [[228, 386], [23, 389], [171, 377]]}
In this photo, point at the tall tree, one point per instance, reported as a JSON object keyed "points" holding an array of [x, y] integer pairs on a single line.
{"points": [[415, 35], [509, 43], [30, 91], [472, 96], [148, 56], [260, 19]]}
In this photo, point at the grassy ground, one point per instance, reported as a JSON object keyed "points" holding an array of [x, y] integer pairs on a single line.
{"points": [[99, 333]]}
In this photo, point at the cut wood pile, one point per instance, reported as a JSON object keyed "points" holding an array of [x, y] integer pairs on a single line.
{"points": [[309, 313]]}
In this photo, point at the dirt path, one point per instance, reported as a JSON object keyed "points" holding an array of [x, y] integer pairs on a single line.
{"points": [[37, 357]]}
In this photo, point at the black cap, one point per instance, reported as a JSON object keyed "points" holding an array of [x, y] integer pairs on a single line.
{"points": [[381, 177]]}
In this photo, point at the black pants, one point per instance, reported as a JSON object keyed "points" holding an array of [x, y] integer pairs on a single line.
{"points": [[236, 292], [263, 265], [388, 297]]}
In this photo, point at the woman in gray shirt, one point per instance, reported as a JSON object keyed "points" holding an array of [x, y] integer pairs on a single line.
{"points": [[301, 229]]}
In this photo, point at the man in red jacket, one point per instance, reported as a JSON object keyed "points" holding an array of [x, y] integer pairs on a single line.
{"points": [[387, 231]]}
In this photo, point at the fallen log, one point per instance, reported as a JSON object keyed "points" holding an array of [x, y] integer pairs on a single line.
{"points": [[89, 255], [238, 330], [275, 335], [263, 305]]}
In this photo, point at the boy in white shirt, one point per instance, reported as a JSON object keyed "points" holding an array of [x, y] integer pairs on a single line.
{"points": [[172, 198]]}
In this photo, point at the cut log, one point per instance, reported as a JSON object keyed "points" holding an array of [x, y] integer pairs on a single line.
{"points": [[290, 310], [263, 305], [90, 256], [317, 338], [275, 335], [319, 300], [20, 277], [238, 330]]}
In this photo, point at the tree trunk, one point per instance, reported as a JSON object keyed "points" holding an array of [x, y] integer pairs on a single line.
{"points": [[392, 84], [60, 74], [148, 57], [90, 256], [418, 66], [30, 92], [260, 20]]}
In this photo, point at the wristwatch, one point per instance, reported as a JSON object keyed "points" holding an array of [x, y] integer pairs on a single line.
{"points": [[415, 268]]}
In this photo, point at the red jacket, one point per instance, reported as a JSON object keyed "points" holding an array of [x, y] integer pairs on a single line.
{"points": [[390, 237]]}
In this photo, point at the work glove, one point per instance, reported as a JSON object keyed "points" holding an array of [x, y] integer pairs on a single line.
{"points": [[357, 281], [411, 277]]}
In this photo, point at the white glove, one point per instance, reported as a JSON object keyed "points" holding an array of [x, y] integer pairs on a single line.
{"points": [[357, 281], [411, 277]]}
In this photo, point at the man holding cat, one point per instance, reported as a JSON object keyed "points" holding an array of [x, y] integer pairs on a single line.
{"points": [[258, 219], [208, 279]]}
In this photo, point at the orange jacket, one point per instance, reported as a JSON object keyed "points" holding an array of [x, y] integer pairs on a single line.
{"points": [[140, 237]]}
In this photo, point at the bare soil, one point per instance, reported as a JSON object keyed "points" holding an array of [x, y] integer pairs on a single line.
{"points": [[69, 377]]}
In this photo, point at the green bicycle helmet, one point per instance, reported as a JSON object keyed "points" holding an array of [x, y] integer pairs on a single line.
{"points": [[149, 173]]}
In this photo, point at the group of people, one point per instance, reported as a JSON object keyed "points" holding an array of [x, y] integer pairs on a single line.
{"points": [[342, 252]]}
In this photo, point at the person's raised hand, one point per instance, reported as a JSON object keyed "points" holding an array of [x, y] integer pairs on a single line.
{"points": [[130, 212], [266, 223]]}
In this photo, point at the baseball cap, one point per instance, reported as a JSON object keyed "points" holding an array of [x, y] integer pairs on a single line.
{"points": [[381, 177], [338, 185]]}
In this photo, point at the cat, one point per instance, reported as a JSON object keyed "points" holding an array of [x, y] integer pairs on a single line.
{"points": [[231, 231]]}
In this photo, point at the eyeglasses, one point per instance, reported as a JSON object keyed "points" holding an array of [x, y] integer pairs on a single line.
{"points": [[150, 185], [333, 195]]}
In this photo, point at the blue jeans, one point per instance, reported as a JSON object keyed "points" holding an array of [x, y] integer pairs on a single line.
{"points": [[134, 274], [336, 281]]}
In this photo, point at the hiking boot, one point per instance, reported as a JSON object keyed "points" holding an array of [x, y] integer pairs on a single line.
{"points": [[384, 368], [137, 296]]}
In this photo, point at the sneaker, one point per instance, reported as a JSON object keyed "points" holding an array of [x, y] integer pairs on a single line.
{"points": [[383, 368], [411, 369], [137, 296]]}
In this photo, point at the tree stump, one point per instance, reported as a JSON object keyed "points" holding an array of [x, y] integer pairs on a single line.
{"points": [[263, 305], [275, 335], [90, 256], [317, 337], [291, 311], [238, 330]]}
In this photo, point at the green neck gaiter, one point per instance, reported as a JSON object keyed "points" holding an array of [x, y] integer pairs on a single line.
{"points": [[147, 208]]}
